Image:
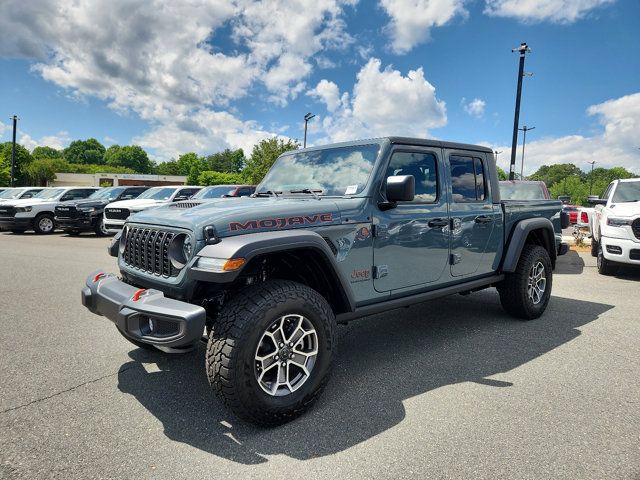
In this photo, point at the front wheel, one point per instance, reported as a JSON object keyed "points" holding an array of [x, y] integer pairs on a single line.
{"points": [[594, 247], [270, 351], [44, 224], [525, 293], [605, 267], [101, 229]]}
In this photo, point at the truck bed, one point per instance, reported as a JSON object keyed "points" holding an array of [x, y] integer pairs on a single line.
{"points": [[515, 210]]}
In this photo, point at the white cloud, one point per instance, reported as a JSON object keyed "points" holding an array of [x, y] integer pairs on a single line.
{"points": [[474, 107], [383, 102], [58, 141], [3, 128], [328, 92], [412, 20], [557, 11], [616, 145]]}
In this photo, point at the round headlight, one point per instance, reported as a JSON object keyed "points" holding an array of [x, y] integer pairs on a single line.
{"points": [[180, 250]]}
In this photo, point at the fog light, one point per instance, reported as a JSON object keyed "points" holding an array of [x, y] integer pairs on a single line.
{"points": [[614, 249]]}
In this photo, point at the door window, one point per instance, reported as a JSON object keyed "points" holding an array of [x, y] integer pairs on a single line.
{"points": [[423, 168], [467, 179]]}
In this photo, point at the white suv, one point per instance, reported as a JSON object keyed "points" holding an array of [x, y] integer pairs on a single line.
{"points": [[18, 193], [615, 225], [116, 213], [37, 213]]}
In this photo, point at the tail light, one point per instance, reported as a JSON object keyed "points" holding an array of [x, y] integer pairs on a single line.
{"points": [[584, 218]]}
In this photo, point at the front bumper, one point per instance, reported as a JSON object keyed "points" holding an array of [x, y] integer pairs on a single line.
{"points": [[15, 223], [621, 250], [112, 225], [152, 318]]}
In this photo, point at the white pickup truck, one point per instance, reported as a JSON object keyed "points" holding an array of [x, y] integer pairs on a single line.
{"points": [[37, 213], [116, 213], [615, 225]]}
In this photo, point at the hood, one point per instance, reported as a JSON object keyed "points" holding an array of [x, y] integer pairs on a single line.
{"points": [[625, 209], [237, 216], [137, 203], [25, 202], [86, 203]]}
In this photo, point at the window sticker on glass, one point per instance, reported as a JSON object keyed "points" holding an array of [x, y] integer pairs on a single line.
{"points": [[351, 190]]}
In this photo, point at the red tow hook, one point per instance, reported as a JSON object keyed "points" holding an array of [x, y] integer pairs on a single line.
{"points": [[137, 294], [98, 277]]}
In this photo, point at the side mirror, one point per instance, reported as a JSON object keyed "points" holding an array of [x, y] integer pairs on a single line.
{"points": [[594, 200], [401, 188]]}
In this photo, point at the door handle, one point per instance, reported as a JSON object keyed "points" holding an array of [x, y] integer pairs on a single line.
{"points": [[483, 219], [438, 222]]}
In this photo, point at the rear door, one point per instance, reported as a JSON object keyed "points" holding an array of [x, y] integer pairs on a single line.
{"points": [[411, 241], [474, 240]]}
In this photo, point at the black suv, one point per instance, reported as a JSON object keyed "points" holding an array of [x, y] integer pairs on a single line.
{"points": [[85, 215]]}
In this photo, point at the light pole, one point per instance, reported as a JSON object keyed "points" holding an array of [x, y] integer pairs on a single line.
{"points": [[591, 183], [524, 129], [523, 49], [13, 149], [307, 117]]}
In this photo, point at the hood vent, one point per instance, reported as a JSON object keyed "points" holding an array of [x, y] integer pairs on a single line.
{"points": [[184, 205]]}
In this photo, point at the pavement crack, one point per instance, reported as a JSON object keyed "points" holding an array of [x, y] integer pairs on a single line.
{"points": [[70, 389]]}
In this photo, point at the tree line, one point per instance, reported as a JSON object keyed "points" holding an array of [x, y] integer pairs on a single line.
{"points": [[39, 166]]}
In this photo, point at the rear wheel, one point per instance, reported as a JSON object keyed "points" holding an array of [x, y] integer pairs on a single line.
{"points": [[525, 293], [270, 351], [44, 224], [605, 267]]}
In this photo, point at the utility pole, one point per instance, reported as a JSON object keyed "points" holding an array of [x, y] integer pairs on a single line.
{"points": [[524, 129], [307, 117], [13, 149], [523, 49], [591, 183]]}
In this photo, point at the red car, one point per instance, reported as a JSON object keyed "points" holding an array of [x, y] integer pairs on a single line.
{"points": [[572, 211]]}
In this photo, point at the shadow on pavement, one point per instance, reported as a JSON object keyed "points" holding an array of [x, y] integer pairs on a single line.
{"points": [[380, 361], [569, 264]]}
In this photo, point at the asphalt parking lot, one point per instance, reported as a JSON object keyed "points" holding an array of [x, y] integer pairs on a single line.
{"points": [[452, 388]]}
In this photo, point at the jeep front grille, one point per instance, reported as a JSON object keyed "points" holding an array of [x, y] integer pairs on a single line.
{"points": [[116, 213], [635, 226], [147, 249]]}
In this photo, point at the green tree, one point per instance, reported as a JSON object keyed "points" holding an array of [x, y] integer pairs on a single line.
{"points": [[167, 168], [41, 171], [23, 159], [39, 153], [263, 156], [130, 156], [209, 177], [88, 151], [231, 161], [187, 161], [502, 175], [551, 174]]}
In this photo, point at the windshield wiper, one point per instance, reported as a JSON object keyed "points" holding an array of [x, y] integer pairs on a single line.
{"points": [[268, 193], [309, 191]]}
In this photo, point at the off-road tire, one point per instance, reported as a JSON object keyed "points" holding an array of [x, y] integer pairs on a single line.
{"points": [[605, 267], [144, 346], [233, 341], [513, 290], [40, 218]]}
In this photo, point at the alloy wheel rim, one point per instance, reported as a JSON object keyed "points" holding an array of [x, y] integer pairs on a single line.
{"points": [[46, 224], [286, 355], [537, 284]]}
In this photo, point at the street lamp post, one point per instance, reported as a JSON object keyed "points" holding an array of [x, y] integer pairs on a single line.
{"points": [[524, 129], [591, 182], [13, 149], [307, 117], [523, 49]]}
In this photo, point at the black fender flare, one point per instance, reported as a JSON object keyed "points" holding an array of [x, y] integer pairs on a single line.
{"points": [[519, 235], [252, 245]]}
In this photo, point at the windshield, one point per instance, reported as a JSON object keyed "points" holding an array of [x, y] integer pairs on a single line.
{"points": [[158, 193], [48, 194], [12, 193], [521, 191], [627, 192], [107, 193], [330, 171], [214, 192]]}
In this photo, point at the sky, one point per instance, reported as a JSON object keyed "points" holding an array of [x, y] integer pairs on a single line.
{"points": [[204, 75]]}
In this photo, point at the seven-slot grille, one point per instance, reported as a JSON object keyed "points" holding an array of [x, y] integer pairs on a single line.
{"points": [[147, 249], [635, 226], [66, 212], [116, 213], [7, 211]]}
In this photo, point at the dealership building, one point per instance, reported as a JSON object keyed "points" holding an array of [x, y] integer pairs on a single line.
{"points": [[115, 179]]}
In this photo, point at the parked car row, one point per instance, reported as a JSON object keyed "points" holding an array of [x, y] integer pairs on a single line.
{"points": [[101, 210]]}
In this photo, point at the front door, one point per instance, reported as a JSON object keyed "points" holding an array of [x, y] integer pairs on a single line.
{"points": [[474, 238], [411, 242]]}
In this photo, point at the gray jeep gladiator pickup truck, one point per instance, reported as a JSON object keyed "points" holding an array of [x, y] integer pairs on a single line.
{"points": [[332, 233]]}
